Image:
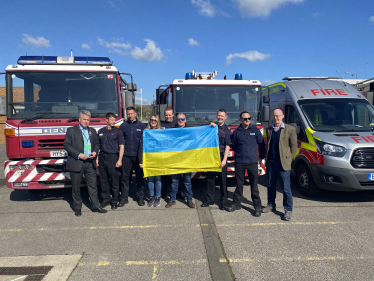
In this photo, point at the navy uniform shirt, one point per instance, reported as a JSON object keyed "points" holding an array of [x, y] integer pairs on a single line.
{"points": [[224, 134], [248, 144], [110, 140], [132, 132], [168, 125]]}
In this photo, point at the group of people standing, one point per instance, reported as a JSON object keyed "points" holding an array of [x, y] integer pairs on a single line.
{"points": [[115, 150]]}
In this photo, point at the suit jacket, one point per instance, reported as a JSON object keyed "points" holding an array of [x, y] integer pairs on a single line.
{"points": [[74, 145], [287, 145]]}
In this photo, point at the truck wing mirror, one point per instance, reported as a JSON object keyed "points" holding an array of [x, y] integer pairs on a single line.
{"points": [[265, 113], [265, 99]]}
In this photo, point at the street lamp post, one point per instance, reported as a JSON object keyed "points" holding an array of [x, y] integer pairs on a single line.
{"points": [[345, 74], [365, 70], [354, 74]]}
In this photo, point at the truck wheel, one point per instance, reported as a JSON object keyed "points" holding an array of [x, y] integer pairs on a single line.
{"points": [[131, 86], [305, 181]]}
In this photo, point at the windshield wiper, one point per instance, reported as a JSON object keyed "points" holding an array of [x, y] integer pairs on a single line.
{"points": [[41, 116], [72, 119]]}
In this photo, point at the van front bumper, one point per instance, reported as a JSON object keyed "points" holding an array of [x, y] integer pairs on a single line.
{"points": [[331, 178]]}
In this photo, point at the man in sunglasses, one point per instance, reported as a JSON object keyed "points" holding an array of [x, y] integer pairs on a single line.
{"points": [[249, 148], [181, 118]]}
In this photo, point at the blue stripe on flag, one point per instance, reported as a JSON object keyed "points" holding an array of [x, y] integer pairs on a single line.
{"points": [[180, 139]]}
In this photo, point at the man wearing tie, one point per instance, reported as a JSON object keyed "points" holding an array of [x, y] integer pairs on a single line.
{"points": [[82, 145]]}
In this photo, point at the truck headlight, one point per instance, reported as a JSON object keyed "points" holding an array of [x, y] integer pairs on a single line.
{"points": [[330, 149]]}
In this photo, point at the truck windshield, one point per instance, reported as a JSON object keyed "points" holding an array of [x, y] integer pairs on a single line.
{"points": [[338, 115], [60, 94], [200, 103]]}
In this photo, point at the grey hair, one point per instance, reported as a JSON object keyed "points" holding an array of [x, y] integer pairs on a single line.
{"points": [[181, 114], [85, 112]]}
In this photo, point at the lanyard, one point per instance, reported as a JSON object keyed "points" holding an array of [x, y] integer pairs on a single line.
{"points": [[84, 135]]}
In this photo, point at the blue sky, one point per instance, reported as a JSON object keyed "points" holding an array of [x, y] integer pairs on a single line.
{"points": [[159, 41]]}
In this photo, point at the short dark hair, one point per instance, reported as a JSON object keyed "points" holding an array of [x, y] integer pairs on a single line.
{"points": [[130, 108], [241, 114], [110, 114], [222, 110], [169, 109]]}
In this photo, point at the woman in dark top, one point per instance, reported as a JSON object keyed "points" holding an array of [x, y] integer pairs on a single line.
{"points": [[153, 123]]}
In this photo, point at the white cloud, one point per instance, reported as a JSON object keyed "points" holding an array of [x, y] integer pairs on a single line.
{"points": [[252, 56], [39, 42], [86, 47], [267, 82], [115, 47], [205, 7], [371, 18], [261, 8], [192, 42], [149, 54], [111, 3]]}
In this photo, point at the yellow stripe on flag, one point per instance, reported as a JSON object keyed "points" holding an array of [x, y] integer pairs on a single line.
{"points": [[179, 162]]}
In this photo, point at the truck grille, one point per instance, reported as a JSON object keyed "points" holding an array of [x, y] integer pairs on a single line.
{"points": [[363, 158], [51, 144]]}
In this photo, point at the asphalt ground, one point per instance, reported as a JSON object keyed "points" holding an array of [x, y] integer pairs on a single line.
{"points": [[330, 237]]}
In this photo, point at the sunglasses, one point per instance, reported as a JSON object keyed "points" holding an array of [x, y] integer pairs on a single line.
{"points": [[153, 120], [246, 119], [181, 119]]}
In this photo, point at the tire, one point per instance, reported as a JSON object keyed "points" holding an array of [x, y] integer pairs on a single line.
{"points": [[131, 86], [305, 181]]}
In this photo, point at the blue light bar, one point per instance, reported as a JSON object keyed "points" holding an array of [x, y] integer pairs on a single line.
{"points": [[27, 143], [93, 60], [238, 76], [36, 59], [53, 60], [189, 75], [98, 60]]}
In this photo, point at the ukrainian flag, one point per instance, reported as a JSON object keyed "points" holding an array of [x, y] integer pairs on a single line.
{"points": [[180, 150]]}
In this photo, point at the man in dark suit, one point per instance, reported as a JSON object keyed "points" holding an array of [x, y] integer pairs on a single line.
{"points": [[281, 147], [82, 145]]}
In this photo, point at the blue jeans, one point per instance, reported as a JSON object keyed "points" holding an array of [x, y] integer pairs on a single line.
{"points": [[175, 184], [152, 181], [274, 169]]}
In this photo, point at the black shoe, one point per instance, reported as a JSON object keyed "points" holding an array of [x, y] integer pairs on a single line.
{"points": [[99, 210], [223, 207], [78, 212], [123, 203], [268, 208], [141, 202], [114, 207], [207, 204], [257, 213], [103, 205], [234, 207]]}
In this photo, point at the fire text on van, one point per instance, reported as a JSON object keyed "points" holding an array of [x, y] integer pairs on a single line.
{"points": [[328, 92], [363, 139]]}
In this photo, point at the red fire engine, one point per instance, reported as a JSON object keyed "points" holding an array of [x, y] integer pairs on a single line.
{"points": [[44, 95], [200, 95]]}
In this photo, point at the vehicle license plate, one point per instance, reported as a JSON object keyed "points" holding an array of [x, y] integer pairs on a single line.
{"points": [[371, 177], [60, 153]]}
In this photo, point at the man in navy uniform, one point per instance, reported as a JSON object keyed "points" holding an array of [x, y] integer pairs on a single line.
{"points": [[82, 145], [110, 158], [249, 149], [169, 119], [224, 133], [132, 131]]}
